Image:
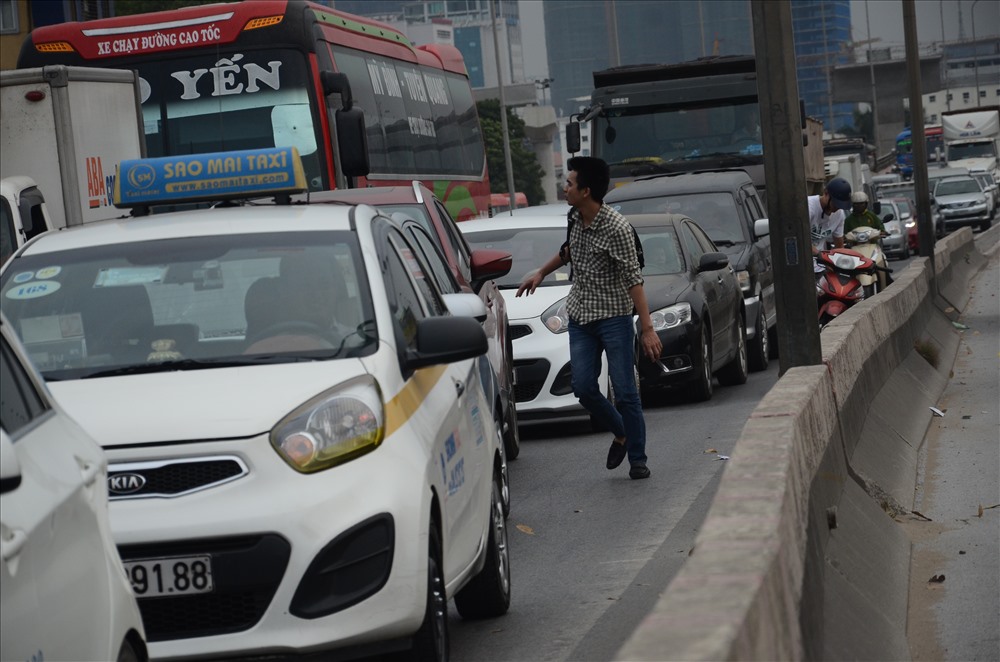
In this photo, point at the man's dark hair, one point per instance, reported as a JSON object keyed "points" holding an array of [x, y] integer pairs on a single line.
{"points": [[593, 173]]}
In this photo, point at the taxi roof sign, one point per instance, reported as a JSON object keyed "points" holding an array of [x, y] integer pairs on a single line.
{"points": [[142, 183]]}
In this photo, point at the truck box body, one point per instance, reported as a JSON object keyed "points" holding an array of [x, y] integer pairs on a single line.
{"points": [[68, 128], [972, 139]]}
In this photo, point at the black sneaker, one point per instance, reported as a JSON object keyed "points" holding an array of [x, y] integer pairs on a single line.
{"points": [[638, 472], [616, 454]]}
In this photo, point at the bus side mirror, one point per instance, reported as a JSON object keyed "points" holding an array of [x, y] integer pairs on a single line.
{"points": [[337, 83], [352, 141], [573, 137]]}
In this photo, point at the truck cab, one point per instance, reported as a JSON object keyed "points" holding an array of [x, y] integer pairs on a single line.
{"points": [[23, 213]]}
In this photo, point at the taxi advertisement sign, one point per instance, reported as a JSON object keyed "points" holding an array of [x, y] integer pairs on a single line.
{"points": [[213, 176]]}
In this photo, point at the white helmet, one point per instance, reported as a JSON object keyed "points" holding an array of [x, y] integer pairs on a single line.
{"points": [[858, 197]]}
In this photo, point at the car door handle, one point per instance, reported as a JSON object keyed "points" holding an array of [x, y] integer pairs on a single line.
{"points": [[12, 543], [459, 387]]}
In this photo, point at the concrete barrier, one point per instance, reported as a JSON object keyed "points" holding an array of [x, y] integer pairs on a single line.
{"points": [[799, 556]]}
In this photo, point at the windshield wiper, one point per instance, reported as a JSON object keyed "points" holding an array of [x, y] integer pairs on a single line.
{"points": [[724, 242], [200, 364]]}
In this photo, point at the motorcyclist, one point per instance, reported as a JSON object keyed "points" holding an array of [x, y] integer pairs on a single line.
{"points": [[826, 214], [861, 216]]}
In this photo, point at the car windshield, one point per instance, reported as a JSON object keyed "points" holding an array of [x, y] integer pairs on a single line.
{"points": [[191, 303], [956, 187], [529, 247], [716, 213], [661, 251]]}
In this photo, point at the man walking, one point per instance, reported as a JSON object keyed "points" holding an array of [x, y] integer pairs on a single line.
{"points": [[607, 287]]}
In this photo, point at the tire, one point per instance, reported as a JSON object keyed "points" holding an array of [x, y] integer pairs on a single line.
{"points": [[431, 643], [758, 349], [504, 474], [735, 372], [985, 225], [701, 389], [128, 653], [511, 435], [488, 593], [772, 350]]}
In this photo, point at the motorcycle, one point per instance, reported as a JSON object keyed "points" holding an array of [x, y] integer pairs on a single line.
{"points": [[838, 281], [868, 242]]}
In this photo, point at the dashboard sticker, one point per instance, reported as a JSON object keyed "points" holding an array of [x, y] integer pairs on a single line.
{"points": [[33, 290]]}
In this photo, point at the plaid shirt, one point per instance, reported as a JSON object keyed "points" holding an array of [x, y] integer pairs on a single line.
{"points": [[605, 266]]}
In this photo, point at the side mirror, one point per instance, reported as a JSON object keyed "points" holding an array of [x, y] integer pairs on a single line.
{"points": [[487, 264], [888, 217], [464, 304], [10, 468], [573, 137], [352, 140], [337, 83], [446, 340], [713, 262], [761, 228]]}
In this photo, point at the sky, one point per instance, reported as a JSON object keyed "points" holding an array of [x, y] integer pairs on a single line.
{"points": [[884, 16]]}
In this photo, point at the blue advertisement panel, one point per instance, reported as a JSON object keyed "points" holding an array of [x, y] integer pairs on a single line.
{"points": [[213, 176]]}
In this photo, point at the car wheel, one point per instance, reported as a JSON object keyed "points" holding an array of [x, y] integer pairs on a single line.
{"points": [[504, 474], [772, 338], [431, 643], [985, 225], [759, 350], [488, 593], [128, 653], [702, 389], [734, 373], [511, 434]]}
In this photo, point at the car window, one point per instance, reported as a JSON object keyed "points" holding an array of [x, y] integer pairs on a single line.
{"points": [[753, 203], [662, 251], [20, 401], [957, 187], [714, 212], [529, 248], [703, 239], [209, 298], [431, 254], [458, 245], [691, 243]]}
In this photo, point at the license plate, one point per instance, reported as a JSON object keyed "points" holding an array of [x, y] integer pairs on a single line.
{"points": [[179, 575]]}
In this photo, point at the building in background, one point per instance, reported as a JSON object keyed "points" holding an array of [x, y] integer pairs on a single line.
{"points": [[426, 21], [822, 34]]}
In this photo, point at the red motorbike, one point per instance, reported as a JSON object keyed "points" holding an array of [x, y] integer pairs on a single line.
{"points": [[838, 285]]}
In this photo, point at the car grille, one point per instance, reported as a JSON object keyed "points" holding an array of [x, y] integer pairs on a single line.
{"points": [[530, 379], [246, 571], [519, 331], [171, 478]]}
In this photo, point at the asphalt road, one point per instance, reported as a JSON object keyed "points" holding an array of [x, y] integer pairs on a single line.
{"points": [[591, 550]]}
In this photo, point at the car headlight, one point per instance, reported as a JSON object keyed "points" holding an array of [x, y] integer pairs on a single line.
{"points": [[671, 316], [332, 428], [910, 224], [555, 318], [744, 279]]}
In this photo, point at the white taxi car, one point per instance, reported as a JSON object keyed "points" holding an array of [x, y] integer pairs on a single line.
{"points": [[63, 592], [302, 457], [539, 323]]}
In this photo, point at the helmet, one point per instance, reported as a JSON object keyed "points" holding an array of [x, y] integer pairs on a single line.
{"points": [[839, 190], [859, 197]]}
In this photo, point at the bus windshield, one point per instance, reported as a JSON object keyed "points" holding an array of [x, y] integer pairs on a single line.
{"points": [[243, 100]]}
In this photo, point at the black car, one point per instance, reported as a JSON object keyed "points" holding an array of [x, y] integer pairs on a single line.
{"points": [[726, 205], [696, 307]]}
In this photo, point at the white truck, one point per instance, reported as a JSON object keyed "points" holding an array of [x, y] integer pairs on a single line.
{"points": [[66, 128], [23, 213], [855, 170], [972, 139]]}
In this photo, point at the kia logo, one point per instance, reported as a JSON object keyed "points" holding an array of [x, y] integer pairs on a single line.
{"points": [[126, 483]]}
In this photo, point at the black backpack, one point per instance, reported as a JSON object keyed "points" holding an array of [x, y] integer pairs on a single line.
{"points": [[565, 247]]}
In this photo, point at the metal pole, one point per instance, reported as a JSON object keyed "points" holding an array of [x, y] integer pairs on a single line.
{"points": [[947, 91], [925, 230], [784, 173], [611, 17], [871, 70], [975, 49], [503, 110]]}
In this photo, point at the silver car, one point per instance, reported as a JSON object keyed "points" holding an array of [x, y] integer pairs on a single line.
{"points": [[962, 201]]}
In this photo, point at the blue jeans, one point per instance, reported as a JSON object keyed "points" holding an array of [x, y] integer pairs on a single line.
{"points": [[616, 337]]}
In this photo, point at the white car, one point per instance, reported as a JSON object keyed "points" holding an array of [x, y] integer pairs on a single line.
{"points": [[538, 322], [302, 456], [63, 591]]}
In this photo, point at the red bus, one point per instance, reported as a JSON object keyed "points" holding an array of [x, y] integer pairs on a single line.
{"points": [[276, 73]]}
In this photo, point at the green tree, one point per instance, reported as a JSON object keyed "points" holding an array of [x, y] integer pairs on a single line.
{"points": [[527, 172]]}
